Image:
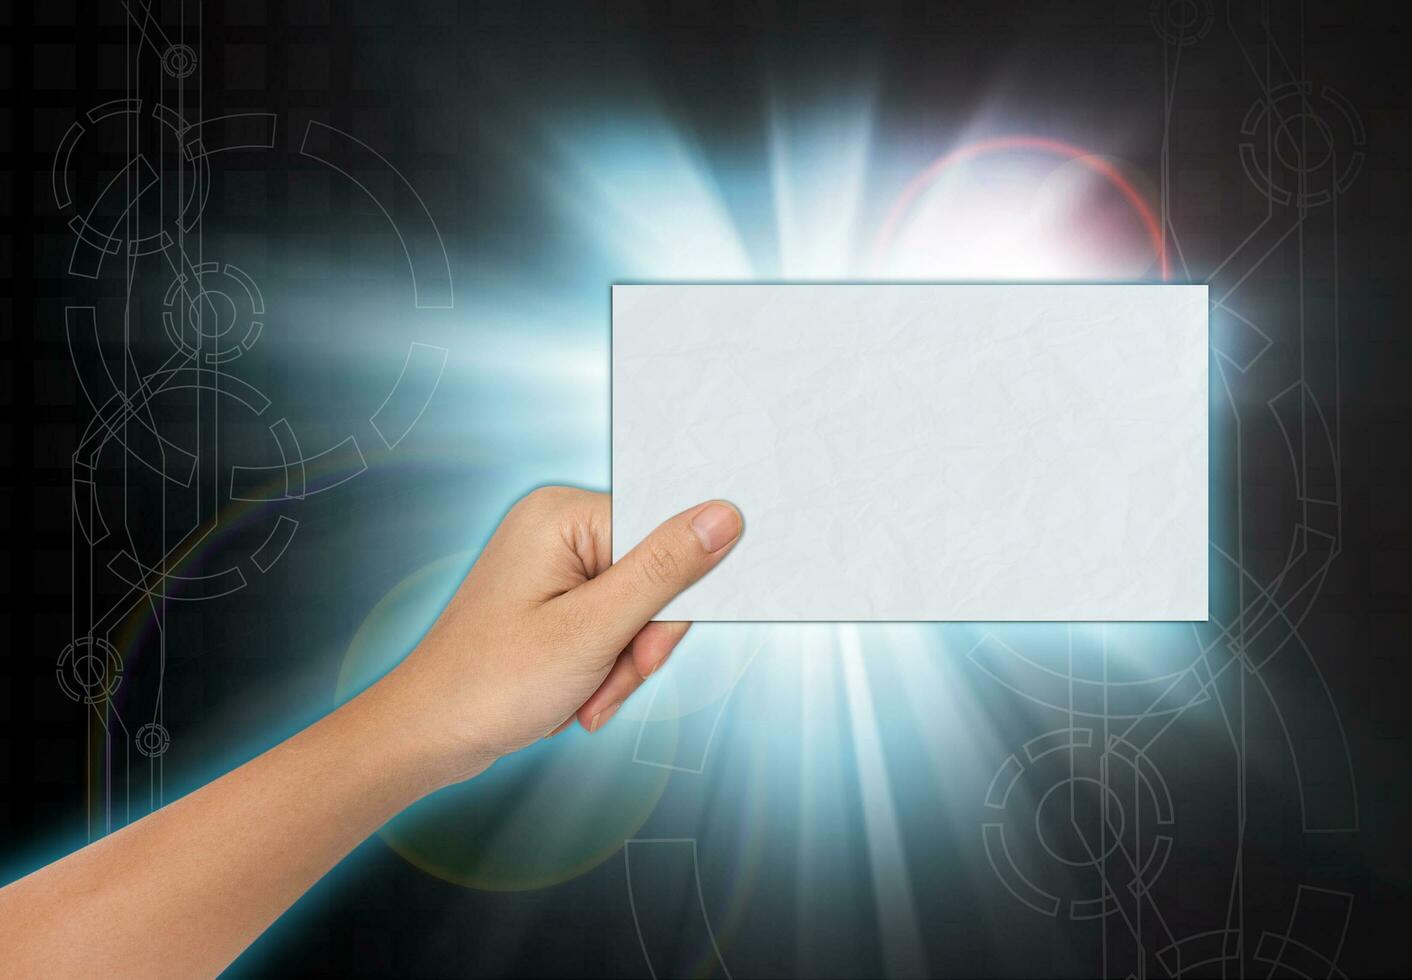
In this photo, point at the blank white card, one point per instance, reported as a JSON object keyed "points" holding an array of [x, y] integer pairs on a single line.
{"points": [[922, 452]]}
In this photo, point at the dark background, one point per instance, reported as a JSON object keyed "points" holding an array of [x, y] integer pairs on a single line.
{"points": [[439, 89]]}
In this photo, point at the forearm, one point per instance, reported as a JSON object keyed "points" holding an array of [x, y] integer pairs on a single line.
{"points": [[183, 891], [543, 629]]}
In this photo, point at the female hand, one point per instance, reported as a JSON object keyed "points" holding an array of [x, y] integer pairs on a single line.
{"points": [[544, 628]]}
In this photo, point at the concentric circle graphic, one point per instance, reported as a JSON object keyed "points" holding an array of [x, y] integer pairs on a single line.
{"points": [[89, 670], [1063, 799], [224, 302], [179, 60], [152, 740], [1302, 145]]}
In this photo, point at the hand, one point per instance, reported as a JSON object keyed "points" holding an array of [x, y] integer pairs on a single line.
{"points": [[545, 628]]}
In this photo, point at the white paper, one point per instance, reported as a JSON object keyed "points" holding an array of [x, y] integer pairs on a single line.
{"points": [[922, 452]]}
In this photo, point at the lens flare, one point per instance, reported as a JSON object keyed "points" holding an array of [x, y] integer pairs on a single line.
{"points": [[1020, 207], [536, 818]]}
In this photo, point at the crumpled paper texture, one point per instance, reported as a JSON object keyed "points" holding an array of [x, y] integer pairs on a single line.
{"points": [[922, 452]]}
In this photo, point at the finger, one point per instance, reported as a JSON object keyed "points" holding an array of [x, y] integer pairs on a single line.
{"points": [[654, 643], [551, 541], [590, 531], [621, 681], [630, 592], [647, 652]]}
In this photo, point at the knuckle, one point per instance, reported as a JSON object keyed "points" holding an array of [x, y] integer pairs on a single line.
{"points": [[542, 502], [660, 565]]}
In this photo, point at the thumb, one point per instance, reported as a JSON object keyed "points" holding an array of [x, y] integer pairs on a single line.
{"points": [[628, 593]]}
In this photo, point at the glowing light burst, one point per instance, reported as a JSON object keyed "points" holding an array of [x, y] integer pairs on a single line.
{"points": [[894, 719], [994, 209]]}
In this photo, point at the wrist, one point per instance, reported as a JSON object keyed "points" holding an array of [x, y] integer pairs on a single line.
{"points": [[409, 721], [390, 759]]}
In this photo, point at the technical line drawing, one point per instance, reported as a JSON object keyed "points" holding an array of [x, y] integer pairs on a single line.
{"points": [[141, 220]]}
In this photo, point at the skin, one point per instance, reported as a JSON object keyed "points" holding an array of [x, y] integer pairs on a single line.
{"points": [[543, 630]]}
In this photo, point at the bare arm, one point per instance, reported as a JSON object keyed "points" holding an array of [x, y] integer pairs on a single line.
{"points": [[541, 631], [183, 891]]}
